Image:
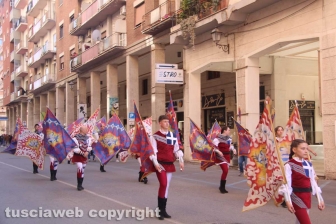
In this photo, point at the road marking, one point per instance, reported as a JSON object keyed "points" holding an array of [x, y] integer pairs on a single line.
{"points": [[325, 184], [90, 192]]}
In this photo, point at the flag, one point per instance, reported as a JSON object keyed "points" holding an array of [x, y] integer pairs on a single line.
{"points": [[264, 174], [112, 139], [57, 141], [148, 127], [74, 125], [214, 131], [244, 139], [30, 145], [101, 124], [294, 129], [173, 121], [201, 146], [141, 144], [91, 123], [12, 146]]}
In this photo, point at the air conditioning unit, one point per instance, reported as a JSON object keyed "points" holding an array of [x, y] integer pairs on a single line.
{"points": [[89, 33], [123, 10]]}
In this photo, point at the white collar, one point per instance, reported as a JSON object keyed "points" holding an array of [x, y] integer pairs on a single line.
{"points": [[297, 159], [164, 132]]}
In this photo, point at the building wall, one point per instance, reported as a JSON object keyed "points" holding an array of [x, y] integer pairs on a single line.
{"points": [[133, 34]]}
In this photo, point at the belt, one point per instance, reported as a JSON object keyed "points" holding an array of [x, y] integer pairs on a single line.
{"points": [[166, 163], [299, 189]]}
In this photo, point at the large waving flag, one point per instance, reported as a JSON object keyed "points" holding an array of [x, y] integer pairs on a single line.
{"points": [[57, 141], [214, 131], [201, 146], [147, 123], [244, 139], [264, 172], [112, 139], [173, 127], [12, 146], [294, 129], [101, 124], [74, 125], [141, 144], [91, 123], [30, 145]]}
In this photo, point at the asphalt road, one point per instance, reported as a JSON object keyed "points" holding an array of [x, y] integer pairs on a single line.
{"points": [[193, 195]]}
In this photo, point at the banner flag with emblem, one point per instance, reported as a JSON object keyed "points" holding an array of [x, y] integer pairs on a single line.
{"points": [[74, 125], [57, 141], [12, 146], [173, 127], [244, 139], [112, 139]]}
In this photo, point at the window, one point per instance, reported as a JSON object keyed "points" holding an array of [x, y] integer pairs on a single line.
{"points": [[262, 92], [72, 17], [61, 62], [122, 39], [61, 31], [213, 75], [145, 87], [139, 12]]}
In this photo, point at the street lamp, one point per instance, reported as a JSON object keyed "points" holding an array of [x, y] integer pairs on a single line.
{"points": [[71, 84], [216, 37]]}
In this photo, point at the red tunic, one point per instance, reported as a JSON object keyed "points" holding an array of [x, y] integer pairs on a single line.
{"points": [[165, 154], [225, 149], [300, 182], [83, 145]]}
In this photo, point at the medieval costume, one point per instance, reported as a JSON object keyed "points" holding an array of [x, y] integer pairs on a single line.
{"points": [[96, 137], [53, 168], [166, 151], [38, 132], [301, 184], [142, 171], [83, 145], [224, 144]]}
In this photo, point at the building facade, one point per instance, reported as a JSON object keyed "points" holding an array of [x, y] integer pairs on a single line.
{"points": [[233, 53]]}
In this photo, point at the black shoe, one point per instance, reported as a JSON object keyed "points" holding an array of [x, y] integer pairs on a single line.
{"points": [[102, 168], [222, 187], [54, 177], [35, 168], [51, 175], [79, 184], [164, 212], [68, 161], [145, 180], [140, 175]]}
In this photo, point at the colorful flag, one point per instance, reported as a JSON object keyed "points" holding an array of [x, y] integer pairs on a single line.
{"points": [[214, 131], [101, 124], [30, 145], [201, 146], [294, 129], [244, 139], [112, 139], [76, 124], [12, 146], [148, 127], [141, 144], [57, 141], [91, 123], [173, 121], [264, 174]]}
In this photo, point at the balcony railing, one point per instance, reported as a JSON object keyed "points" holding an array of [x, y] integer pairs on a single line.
{"points": [[12, 76], [22, 47], [159, 19], [21, 24], [34, 7], [105, 48], [21, 71], [41, 27], [20, 4], [46, 52], [14, 14], [45, 82], [14, 56], [92, 16]]}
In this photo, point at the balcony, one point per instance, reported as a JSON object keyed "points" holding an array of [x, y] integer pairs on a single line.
{"points": [[41, 28], [20, 4], [21, 24], [14, 56], [98, 52], [12, 76], [34, 7], [159, 19], [21, 71], [47, 82], [40, 56], [14, 35], [97, 12], [20, 96], [21, 48], [12, 97], [14, 14]]}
